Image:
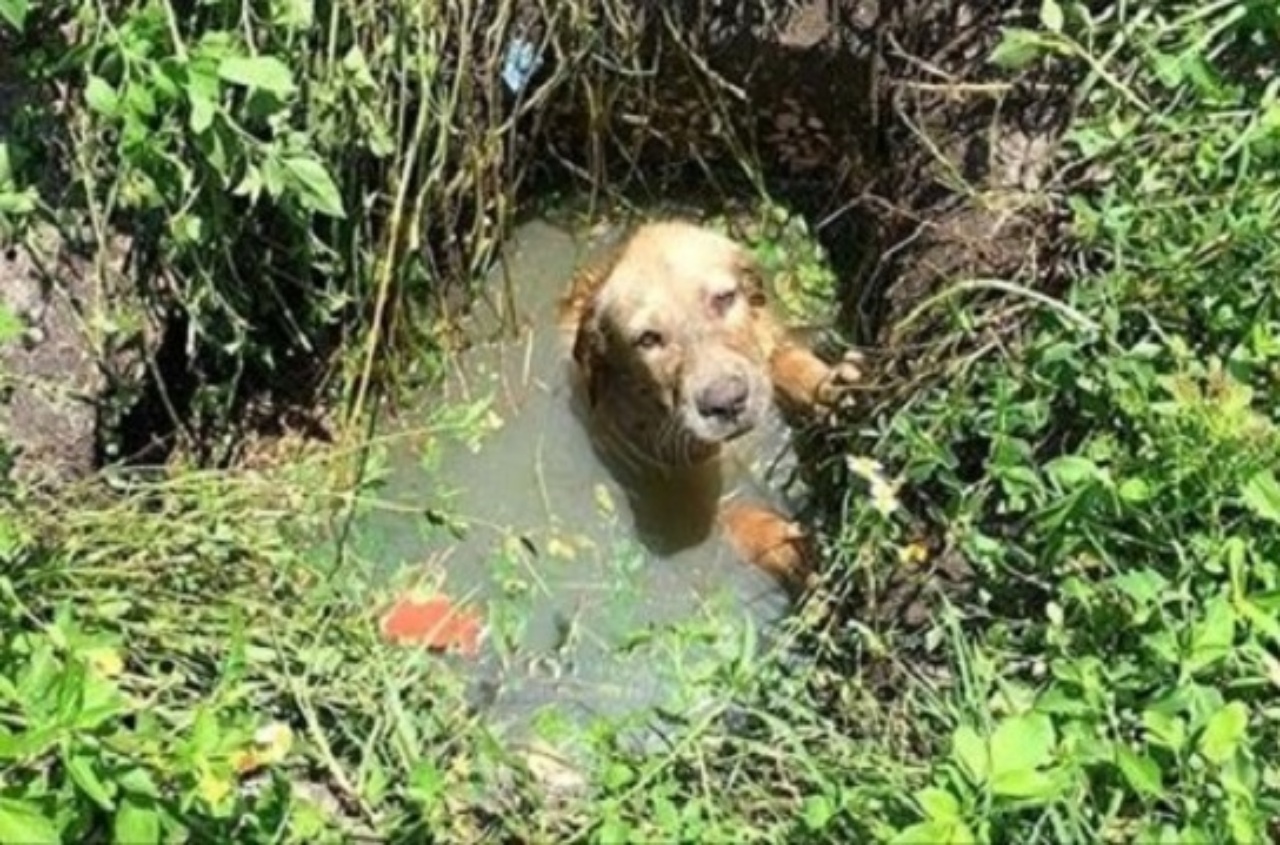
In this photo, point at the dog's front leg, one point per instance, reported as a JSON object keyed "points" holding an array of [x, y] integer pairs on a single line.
{"points": [[766, 539], [804, 382]]}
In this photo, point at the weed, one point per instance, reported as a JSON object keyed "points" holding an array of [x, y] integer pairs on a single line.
{"points": [[799, 271], [173, 663], [1113, 483], [293, 175]]}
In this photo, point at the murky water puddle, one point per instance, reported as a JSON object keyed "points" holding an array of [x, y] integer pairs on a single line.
{"points": [[494, 490]]}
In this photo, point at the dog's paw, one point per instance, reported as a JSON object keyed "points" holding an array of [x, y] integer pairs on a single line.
{"points": [[836, 390], [766, 539]]}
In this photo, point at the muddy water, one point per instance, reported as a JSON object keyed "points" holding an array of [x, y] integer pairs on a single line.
{"points": [[585, 617]]}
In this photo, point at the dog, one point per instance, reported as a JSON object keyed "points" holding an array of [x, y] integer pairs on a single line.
{"points": [[677, 355]]}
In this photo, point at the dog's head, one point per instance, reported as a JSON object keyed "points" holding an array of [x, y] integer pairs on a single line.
{"points": [[669, 340]]}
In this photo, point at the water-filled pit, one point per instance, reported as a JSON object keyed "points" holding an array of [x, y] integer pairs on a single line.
{"points": [[491, 493]]}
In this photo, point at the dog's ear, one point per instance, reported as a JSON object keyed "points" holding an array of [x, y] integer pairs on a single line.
{"points": [[589, 351], [580, 308], [751, 277], [589, 278]]}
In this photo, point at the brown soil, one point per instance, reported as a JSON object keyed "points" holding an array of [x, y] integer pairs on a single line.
{"points": [[60, 376], [50, 378]]}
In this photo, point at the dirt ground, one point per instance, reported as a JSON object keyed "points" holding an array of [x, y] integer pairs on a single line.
{"points": [[49, 377], [59, 380]]}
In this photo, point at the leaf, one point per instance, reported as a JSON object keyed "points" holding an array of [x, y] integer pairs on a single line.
{"points": [[818, 812], [294, 14], [22, 821], [1142, 773], [1025, 783], [1017, 49], [204, 734], [1167, 730], [1261, 494], [938, 804], [426, 783], [319, 193], [1145, 586], [85, 775], [139, 782], [11, 325], [1051, 15], [1072, 471], [1265, 623], [1022, 743], [1213, 636], [30, 743], [213, 788], [202, 111], [136, 822], [17, 203], [250, 185], [15, 12], [935, 833], [1225, 731], [1134, 491], [1244, 827], [970, 751], [101, 97], [354, 63], [265, 72]]}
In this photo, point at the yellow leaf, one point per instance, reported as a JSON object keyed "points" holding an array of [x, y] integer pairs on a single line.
{"points": [[604, 500], [913, 554], [274, 742], [213, 788], [245, 762], [105, 662], [559, 548]]}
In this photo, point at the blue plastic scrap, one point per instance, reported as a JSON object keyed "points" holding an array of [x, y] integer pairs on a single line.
{"points": [[520, 64]]}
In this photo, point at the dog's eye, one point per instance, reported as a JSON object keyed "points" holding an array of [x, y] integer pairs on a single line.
{"points": [[648, 340], [724, 300]]}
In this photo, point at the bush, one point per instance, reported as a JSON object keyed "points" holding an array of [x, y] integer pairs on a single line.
{"points": [[1112, 476]]}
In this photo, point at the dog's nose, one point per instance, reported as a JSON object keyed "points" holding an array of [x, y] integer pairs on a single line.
{"points": [[724, 398]]}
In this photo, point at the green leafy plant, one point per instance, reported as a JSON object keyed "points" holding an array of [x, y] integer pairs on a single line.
{"points": [[1113, 482], [1108, 472]]}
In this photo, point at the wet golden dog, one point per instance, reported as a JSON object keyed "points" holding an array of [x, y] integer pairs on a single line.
{"points": [[678, 355]]}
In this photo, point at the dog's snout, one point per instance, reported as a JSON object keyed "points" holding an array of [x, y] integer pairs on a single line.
{"points": [[725, 398]]}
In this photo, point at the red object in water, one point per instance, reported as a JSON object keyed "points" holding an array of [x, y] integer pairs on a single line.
{"points": [[435, 623]]}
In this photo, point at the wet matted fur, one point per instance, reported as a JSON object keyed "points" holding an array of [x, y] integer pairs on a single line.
{"points": [[677, 354]]}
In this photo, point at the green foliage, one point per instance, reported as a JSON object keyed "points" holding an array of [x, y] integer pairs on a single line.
{"points": [[16, 202], [292, 173], [1111, 478], [14, 13], [1114, 483], [173, 669], [11, 326], [206, 134], [802, 279]]}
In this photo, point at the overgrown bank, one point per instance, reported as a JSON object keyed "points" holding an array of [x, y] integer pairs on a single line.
{"points": [[1109, 476], [1098, 470]]}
